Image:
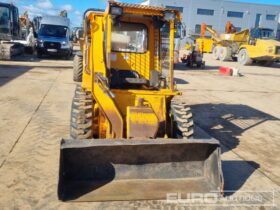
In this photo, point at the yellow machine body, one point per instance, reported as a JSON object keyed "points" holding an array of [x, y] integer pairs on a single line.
{"points": [[228, 39], [142, 63], [263, 50], [127, 92], [245, 48], [205, 45]]}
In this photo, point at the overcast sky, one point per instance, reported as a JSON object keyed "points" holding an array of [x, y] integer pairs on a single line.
{"points": [[76, 8]]}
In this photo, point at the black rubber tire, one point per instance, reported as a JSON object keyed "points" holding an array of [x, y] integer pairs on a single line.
{"points": [[29, 50], [81, 115], [39, 54], [216, 52], [182, 120], [266, 63], [68, 56], [225, 54], [244, 58], [78, 68]]}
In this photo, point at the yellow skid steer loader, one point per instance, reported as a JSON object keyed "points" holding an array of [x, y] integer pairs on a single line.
{"points": [[131, 137]]}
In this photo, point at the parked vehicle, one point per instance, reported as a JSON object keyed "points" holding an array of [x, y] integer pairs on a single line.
{"points": [[9, 31], [257, 45], [53, 37]]}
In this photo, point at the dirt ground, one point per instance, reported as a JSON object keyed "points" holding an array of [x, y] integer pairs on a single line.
{"points": [[241, 112]]}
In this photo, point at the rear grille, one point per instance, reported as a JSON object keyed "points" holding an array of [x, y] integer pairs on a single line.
{"points": [[52, 45], [277, 50]]}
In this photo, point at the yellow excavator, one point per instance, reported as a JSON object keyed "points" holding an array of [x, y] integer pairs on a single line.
{"points": [[247, 46], [131, 132]]}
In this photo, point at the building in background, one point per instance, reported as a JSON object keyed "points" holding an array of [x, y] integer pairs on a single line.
{"points": [[216, 13]]}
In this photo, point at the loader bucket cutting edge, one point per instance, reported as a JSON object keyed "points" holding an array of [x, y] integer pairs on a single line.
{"points": [[113, 170]]}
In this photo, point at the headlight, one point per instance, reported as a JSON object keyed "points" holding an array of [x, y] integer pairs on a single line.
{"points": [[40, 43], [116, 10], [169, 16], [65, 45]]}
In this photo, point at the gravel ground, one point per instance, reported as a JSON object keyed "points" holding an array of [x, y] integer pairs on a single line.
{"points": [[241, 112]]}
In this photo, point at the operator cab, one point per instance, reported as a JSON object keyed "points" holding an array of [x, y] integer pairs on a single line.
{"points": [[9, 22], [262, 33], [139, 47], [128, 38]]}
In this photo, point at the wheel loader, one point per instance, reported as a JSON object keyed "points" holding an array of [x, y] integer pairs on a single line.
{"points": [[131, 134]]}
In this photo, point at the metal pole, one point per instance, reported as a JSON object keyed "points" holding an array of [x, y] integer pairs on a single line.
{"points": [[171, 54]]}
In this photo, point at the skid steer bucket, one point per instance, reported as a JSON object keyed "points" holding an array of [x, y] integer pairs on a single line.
{"points": [[102, 170]]}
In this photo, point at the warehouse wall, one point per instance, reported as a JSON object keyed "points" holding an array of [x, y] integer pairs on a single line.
{"points": [[217, 12]]}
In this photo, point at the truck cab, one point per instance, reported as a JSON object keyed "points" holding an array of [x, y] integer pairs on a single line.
{"points": [[53, 37]]}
